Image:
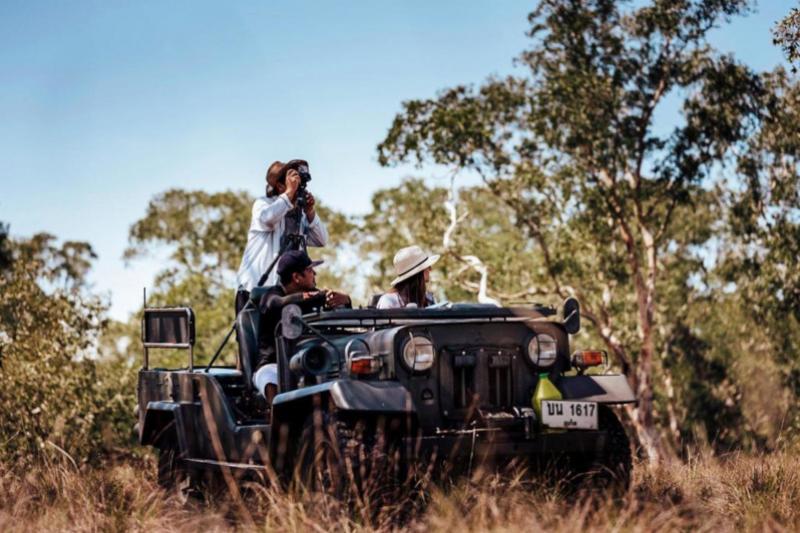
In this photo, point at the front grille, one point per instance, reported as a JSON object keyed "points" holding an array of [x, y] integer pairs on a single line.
{"points": [[500, 380], [463, 386], [482, 377]]}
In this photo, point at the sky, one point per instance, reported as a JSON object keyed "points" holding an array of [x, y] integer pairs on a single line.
{"points": [[105, 104]]}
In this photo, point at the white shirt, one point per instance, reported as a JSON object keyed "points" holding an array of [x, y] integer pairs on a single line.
{"points": [[392, 300], [264, 239]]}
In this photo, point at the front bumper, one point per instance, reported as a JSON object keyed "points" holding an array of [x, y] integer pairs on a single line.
{"points": [[489, 443]]}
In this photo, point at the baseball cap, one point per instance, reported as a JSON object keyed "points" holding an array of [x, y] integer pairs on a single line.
{"points": [[295, 261]]}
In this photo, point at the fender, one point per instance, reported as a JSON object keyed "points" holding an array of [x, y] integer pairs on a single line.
{"points": [[352, 395], [161, 418], [600, 388], [290, 409]]}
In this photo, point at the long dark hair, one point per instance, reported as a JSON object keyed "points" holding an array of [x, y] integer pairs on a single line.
{"points": [[413, 290]]}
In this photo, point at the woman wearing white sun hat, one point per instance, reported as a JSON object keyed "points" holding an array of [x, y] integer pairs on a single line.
{"points": [[413, 268]]}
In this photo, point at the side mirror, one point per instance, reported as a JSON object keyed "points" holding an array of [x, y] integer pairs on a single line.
{"points": [[291, 322], [572, 316]]}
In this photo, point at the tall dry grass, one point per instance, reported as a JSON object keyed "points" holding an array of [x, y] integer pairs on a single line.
{"points": [[734, 493]]}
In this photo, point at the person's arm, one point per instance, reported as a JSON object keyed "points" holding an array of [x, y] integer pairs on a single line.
{"points": [[274, 302], [316, 234], [269, 214], [335, 299]]}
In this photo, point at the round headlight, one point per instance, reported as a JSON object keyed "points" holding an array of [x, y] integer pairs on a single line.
{"points": [[542, 350], [418, 353]]}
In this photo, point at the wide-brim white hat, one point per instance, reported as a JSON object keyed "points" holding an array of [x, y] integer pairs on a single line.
{"points": [[410, 261]]}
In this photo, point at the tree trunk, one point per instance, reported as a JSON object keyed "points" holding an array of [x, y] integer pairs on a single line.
{"points": [[644, 421]]}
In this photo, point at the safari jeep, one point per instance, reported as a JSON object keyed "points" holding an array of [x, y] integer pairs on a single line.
{"points": [[466, 384]]}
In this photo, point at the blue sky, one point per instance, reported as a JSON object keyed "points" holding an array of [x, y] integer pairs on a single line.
{"points": [[105, 104]]}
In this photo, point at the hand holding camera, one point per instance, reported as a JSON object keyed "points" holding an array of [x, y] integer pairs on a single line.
{"points": [[292, 184], [295, 176]]}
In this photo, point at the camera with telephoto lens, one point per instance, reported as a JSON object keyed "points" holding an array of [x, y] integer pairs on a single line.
{"points": [[301, 166]]}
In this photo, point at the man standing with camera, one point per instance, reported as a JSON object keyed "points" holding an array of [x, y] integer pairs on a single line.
{"points": [[285, 213]]}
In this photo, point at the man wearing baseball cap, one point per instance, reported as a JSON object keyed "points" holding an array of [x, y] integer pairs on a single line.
{"points": [[269, 223], [297, 285]]}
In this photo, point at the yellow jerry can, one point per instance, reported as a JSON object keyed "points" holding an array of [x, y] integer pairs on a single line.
{"points": [[545, 390]]}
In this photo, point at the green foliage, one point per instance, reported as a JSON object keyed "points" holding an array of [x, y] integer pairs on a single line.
{"points": [[761, 256], [572, 149], [765, 216], [404, 215], [54, 394], [413, 213], [787, 36], [205, 233], [705, 398], [341, 268]]}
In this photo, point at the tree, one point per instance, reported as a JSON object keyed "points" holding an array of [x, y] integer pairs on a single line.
{"points": [[413, 213], [5, 252], [55, 399], [573, 148], [765, 217], [762, 249], [787, 35]]}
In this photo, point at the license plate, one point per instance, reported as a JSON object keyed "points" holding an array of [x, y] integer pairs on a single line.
{"points": [[569, 415]]}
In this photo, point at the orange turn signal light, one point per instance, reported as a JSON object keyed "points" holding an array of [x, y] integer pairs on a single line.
{"points": [[365, 365], [587, 358]]}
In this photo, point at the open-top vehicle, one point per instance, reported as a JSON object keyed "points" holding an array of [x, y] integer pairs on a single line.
{"points": [[465, 384]]}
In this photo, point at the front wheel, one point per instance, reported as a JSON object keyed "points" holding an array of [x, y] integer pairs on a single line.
{"points": [[347, 457], [321, 464], [611, 469]]}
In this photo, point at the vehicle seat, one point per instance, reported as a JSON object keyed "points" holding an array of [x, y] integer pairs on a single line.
{"points": [[373, 302], [256, 294], [247, 322]]}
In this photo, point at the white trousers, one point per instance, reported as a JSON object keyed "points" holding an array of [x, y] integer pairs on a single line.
{"points": [[265, 375]]}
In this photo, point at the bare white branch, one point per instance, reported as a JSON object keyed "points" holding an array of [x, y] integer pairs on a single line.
{"points": [[471, 260], [450, 205]]}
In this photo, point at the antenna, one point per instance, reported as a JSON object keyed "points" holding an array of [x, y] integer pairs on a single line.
{"points": [[146, 362]]}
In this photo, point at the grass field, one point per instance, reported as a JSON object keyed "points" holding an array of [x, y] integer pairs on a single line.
{"points": [[734, 493]]}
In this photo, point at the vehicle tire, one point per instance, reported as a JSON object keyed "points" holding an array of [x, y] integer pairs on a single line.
{"points": [[320, 464], [611, 470], [345, 457], [173, 476]]}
